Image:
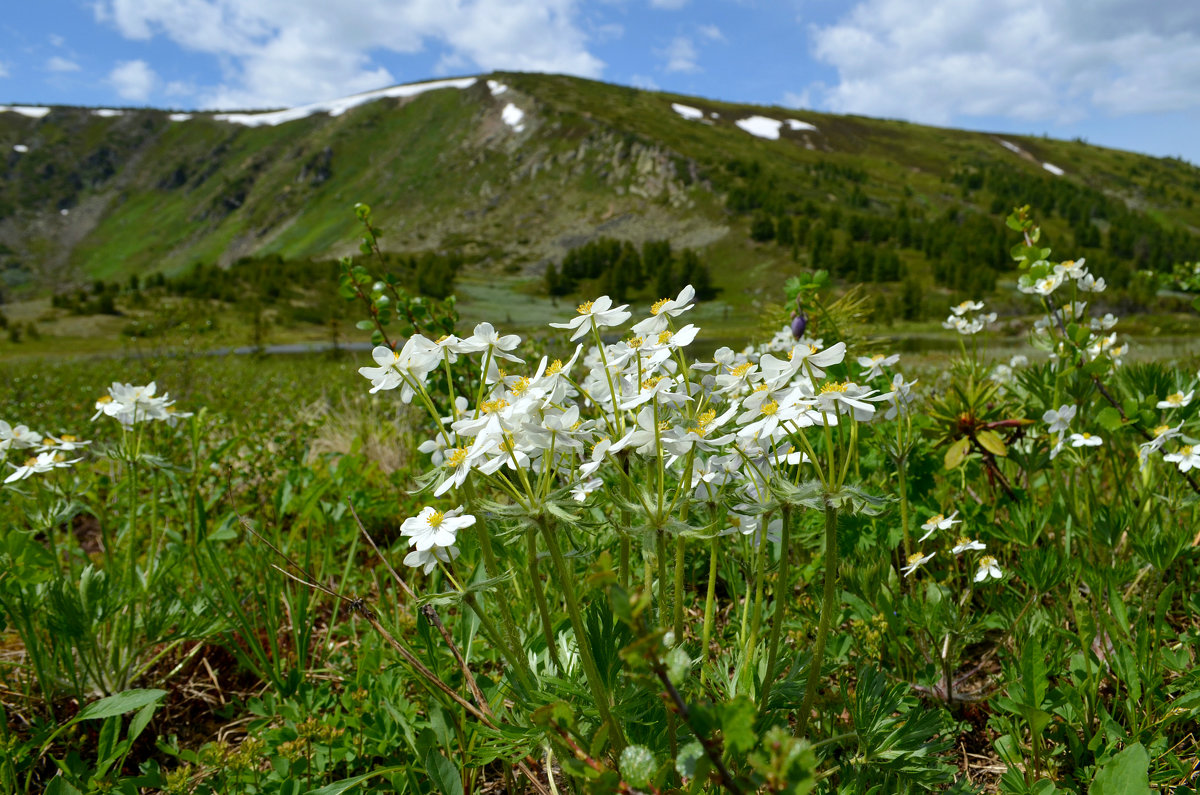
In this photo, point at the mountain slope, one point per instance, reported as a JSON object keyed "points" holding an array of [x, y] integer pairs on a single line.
{"points": [[87, 195]]}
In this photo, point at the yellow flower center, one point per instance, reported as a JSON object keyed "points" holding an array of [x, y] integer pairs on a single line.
{"points": [[650, 383], [30, 462], [741, 369], [1086, 435], [1186, 450], [635, 342], [834, 387], [1177, 398], [458, 457], [492, 406], [987, 561], [664, 426], [664, 338], [435, 518], [770, 408], [877, 358], [585, 308], [703, 421], [914, 558], [555, 367], [963, 541], [104, 399], [936, 519], [521, 385], [1161, 429], [657, 306], [66, 437], [442, 338]]}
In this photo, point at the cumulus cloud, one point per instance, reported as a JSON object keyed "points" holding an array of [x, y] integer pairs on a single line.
{"points": [[711, 32], [681, 55], [133, 80], [670, 5], [1056, 60], [3, 70], [643, 81], [284, 52], [59, 64]]}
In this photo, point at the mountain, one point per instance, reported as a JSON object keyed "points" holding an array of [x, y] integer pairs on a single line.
{"points": [[512, 171]]}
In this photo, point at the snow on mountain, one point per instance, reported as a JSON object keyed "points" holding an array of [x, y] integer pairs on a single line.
{"points": [[796, 125], [496, 87], [761, 127], [20, 148], [1053, 169], [336, 107], [32, 111], [513, 117], [687, 111]]}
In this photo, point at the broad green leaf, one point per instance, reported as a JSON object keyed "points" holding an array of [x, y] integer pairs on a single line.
{"points": [[1109, 419], [1127, 773], [119, 704], [991, 441], [956, 453]]}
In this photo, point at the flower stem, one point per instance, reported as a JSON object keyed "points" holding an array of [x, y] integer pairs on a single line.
{"points": [[595, 682], [827, 606], [540, 595], [709, 599], [783, 591]]}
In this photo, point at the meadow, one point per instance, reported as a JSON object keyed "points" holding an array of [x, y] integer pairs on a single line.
{"points": [[614, 556]]}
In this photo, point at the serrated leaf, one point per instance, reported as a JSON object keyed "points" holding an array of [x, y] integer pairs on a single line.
{"points": [[991, 441], [1109, 419]]}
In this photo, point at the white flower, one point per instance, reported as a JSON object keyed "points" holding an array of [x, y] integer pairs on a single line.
{"points": [[1187, 457], [967, 544], [1059, 420], [664, 308], [581, 491], [600, 311], [63, 444], [939, 522], [900, 398], [427, 559], [1090, 284], [1073, 269], [1176, 401], [486, 336], [916, 561], [1044, 286], [966, 306], [18, 438], [432, 527], [988, 568], [1085, 440], [874, 364], [810, 357], [1019, 360], [43, 463]]}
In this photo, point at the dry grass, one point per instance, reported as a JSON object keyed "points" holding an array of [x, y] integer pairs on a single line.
{"points": [[381, 429]]}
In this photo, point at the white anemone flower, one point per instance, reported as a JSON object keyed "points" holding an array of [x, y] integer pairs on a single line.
{"points": [[1186, 458], [966, 545], [63, 444], [486, 336], [916, 561], [601, 312], [1085, 440], [17, 438], [432, 527], [581, 491], [939, 522], [44, 462], [427, 559], [1091, 284], [810, 357], [966, 306], [664, 308], [1059, 420], [988, 568], [873, 365], [1176, 401]]}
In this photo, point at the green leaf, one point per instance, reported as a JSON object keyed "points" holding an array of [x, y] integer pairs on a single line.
{"points": [[1127, 773], [60, 786], [365, 325], [1109, 419], [119, 704], [339, 787], [442, 772], [991, 441], [957, 453]]}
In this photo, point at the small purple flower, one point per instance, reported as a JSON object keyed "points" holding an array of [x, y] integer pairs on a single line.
{"points": [[799, 323]]}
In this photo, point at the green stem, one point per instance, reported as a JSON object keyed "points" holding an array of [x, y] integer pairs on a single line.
{"points": [[827, 607], [783, 591], [660, 556], [595, 682], [679, 577], [709, 599], [760, 565], [540, 595]]}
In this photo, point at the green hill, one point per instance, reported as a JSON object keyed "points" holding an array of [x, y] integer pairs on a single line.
{"points": [[87, 196]]}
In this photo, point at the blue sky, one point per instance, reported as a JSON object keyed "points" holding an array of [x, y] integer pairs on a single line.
{"points": [[1122, 73]]}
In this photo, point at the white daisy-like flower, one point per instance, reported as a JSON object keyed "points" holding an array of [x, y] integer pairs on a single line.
{"points": [[427, 559], [601, 312], [44, 462], [939, 522], [665, 308], [916, 561], [581, 491], [966, 545], [1186, 458], [1085, 440], [1059, 420], [988, 568], [966, 306], [1176, 401], [873, 365], [432, 527]]}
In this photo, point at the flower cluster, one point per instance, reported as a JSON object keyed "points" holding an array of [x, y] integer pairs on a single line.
{"points": [[963, 320], [129, 405], [50, 451], [721, 428], [987, 567]]}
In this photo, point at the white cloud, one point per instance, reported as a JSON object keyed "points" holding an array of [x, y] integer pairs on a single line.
{"points": [[681, 55], [1055, 60], [57, 40], [59, 64], [133, 80], [670, 5], [711, 32], [643, 81], [802, 99], [3, 70], [285, 52]]}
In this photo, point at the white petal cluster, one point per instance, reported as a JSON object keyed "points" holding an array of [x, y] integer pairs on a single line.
{"points": [[129, 404], [50, 451], [962, 319]]}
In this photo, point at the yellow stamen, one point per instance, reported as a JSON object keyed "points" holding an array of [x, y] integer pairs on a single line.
{"points": [[769, 408], [585, 308], [834, 387], [657, 306], [492, 406], [521, 385], [635, 342], [458, 457], [664, 338], [435, 518], [741, 369], [914, 558], [555, 367]]}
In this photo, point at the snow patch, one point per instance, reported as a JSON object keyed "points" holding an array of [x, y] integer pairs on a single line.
{"points": [[179, 116], [32, 111], [107, 113], [336, 107], [513, 117], [22, 148], [761, 127], [1010, 146], [715, 115], [496, 87], [64, 212], [687, 111], [1053, 169], [795, 124]]}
